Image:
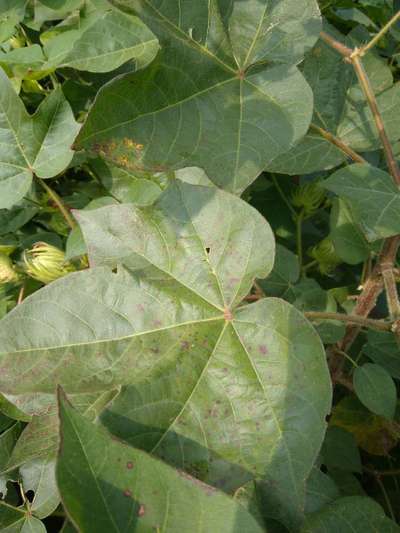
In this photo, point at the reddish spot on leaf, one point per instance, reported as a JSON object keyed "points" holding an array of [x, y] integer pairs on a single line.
{"points": [[129, 465], [141, 511], [127, 493], [263, 349]]}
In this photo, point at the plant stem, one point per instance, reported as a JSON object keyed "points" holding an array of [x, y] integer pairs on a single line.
{"points": [[381, 33], [343, 50], [21, 294], [59, 203], [340, 144], [299, 240], [353, 56], [386, 497], [344, 354], [381, 473], [371, 99], [379, 325], [309, 265], [283, 196]]}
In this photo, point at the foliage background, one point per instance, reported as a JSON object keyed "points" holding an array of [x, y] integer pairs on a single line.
{"points": [[328, 236]]}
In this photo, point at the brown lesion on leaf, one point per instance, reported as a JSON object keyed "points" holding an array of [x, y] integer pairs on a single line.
{"points": [[241, 74], [126, 153], [132, 145]]}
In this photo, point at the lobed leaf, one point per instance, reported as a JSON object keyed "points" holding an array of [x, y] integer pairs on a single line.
{"points": [[218, 381], [122, 489], [220, 95], [37, 144]]}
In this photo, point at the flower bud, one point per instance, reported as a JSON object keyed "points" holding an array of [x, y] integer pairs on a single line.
{"points": [[46, 263], [324, 252], [7, 272], [308, 197]]}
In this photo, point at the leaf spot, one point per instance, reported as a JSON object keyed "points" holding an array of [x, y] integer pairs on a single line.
{"points": [[141, 511], [129, 465], [127, 493], [263, 349]]}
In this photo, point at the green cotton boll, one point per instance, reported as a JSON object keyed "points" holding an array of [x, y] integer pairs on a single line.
{"points": [[308, 197], [324, 253], [46, 263]]}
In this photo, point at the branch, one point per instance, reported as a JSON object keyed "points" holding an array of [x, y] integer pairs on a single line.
{"points": [[373, 286], [379, 325], [343, 50], [340, 144], [371, 99], [59, 203], [379, 35]]}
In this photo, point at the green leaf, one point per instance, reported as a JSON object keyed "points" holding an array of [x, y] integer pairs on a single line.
{"points": [[125, 185], [352, 514], [11, 13], [39, 477], [37, 144], [52, 10], [39, 439], [8, 439], [375, 389], [284, 275], [219, 101], [384, 350], [102, 41], [23, 60], [310, 154], [349, 242], [220, 383], [373, 198], [321, 490], [340, 450], [18, 520], [119, 488]]}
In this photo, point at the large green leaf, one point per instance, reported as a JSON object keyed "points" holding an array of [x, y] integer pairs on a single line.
{"points": [[352, 514], [237, 392], [222, 95], [372, 196], [112, 487], [37, 144]]}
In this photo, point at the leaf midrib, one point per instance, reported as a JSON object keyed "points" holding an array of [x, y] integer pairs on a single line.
{"points": [[182, 36], [117, 339]]}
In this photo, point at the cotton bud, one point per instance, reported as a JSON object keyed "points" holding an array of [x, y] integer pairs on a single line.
{"points": [[46, 263], [324, 252], [7, 272], [308, 197]]}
